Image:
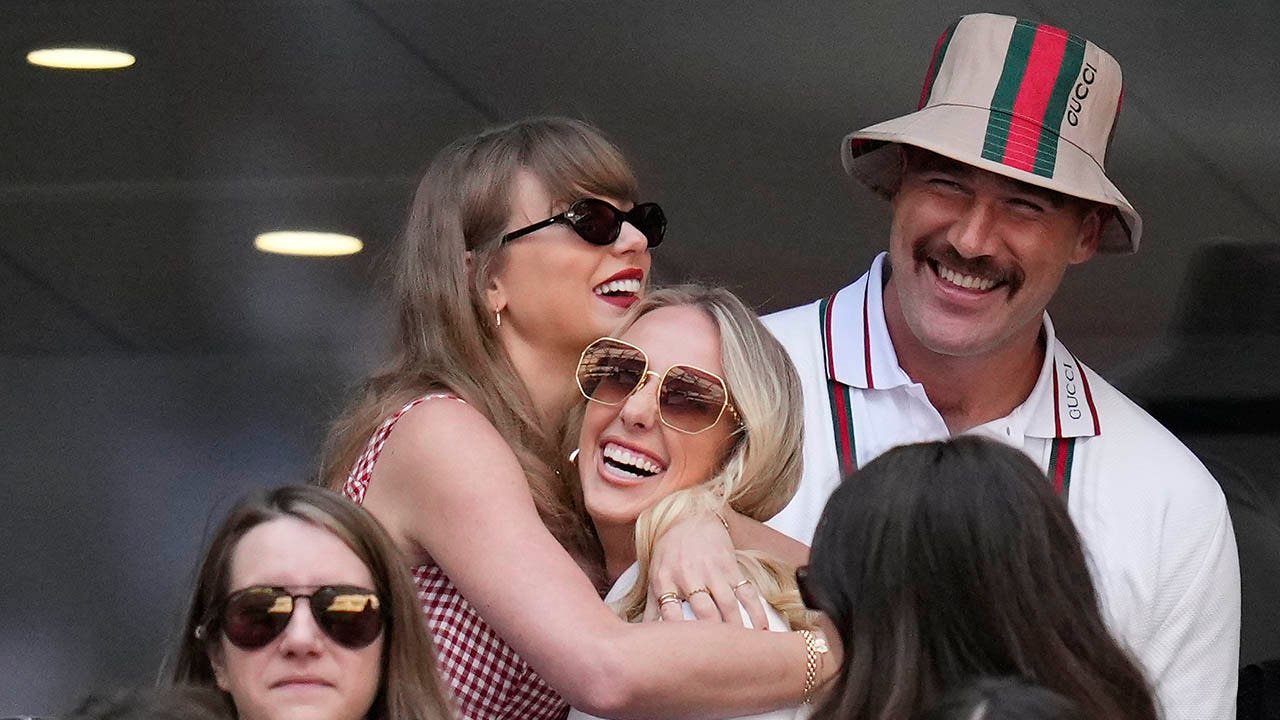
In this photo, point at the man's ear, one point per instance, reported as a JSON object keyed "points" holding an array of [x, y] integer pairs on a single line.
{"points": [[1090, 233], [895, 183]]}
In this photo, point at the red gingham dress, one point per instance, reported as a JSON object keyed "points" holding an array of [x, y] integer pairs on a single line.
{"points": [[489, 680]]}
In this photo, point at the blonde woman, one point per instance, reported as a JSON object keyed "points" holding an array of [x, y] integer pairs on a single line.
{"points": [[525, 243], [692, 405]]}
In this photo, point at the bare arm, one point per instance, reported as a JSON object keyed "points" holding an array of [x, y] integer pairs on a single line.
{"points": [[755, 535], [697, 551], [446, 482]]}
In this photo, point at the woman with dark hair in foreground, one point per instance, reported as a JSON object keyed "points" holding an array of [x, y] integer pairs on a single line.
{"points": [[302, 608], [941, 561]]}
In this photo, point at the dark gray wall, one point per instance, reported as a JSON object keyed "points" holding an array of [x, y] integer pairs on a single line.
{"points": [[114, 467]]}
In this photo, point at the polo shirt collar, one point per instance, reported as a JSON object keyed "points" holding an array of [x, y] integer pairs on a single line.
{"points": [[859, 352], [1061, 403], [861, 355]]}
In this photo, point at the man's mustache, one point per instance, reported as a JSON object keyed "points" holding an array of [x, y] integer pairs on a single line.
{"points": [[983, 266]]}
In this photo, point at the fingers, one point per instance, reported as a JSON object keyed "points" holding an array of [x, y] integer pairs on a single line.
{"points": [[650, 606], [670, 608], [726, 604], [704, 607], [663, 588], [744, 591], [720, 578]]}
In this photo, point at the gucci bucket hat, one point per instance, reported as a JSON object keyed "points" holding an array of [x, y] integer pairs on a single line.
{"points": [[1021, 99]]}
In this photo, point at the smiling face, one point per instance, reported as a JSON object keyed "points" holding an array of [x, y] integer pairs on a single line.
{"points": [[554, 287], [302, 674], [628, 458], [976, 256]]}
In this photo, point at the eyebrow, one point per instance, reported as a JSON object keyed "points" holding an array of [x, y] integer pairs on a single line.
{"points": [[929, 161]]}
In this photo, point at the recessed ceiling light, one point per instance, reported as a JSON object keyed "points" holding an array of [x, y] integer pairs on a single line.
{"points": [[301, 242], [80, 58]]}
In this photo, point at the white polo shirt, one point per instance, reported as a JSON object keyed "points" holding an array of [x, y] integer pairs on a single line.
{"points": [[1153, 521]]}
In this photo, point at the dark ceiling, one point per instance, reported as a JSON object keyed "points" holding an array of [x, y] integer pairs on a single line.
{"points": [[129, 199]]}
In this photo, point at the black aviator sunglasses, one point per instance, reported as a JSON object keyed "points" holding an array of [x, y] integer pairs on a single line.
{"points": [[251, 618], [600, 223]]}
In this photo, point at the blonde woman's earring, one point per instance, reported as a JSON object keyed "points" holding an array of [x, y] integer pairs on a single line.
{"points": [[497, 314]]}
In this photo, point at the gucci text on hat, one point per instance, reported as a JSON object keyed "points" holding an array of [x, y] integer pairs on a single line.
{"points": [[1024, 100]]}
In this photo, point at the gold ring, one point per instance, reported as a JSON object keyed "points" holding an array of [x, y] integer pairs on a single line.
{"points": [[740, 583], [695, 591], [667, 597]]}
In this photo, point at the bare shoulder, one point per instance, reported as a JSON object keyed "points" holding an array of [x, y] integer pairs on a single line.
{"points": [[441, 454], [435, 437]]}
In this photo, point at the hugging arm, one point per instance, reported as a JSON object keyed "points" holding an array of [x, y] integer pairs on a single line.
{"points": [[699, 551], [447, 483]]}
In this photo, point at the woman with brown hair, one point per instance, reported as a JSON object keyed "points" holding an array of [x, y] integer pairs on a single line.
{"points": [[939, 562], [358, 650], [524, 244]]}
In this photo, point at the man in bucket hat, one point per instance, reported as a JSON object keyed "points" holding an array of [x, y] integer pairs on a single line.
{"points": [[997, 185]]}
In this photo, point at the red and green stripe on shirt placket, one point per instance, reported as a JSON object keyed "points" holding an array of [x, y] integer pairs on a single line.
{"points": [[840, 397], [1062, 453], [1030, 100], [839, 394], [1062, 450]]}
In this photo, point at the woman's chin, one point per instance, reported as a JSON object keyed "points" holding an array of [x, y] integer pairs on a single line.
{"points": [[608, 516]]}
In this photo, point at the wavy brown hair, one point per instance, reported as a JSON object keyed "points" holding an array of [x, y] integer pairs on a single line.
{"points": [[444, 339], [938, 562], [408, 686]]}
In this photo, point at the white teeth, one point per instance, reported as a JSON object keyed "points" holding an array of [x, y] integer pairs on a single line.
{"points": [[971, 282], [623, 456], [618, 286]]}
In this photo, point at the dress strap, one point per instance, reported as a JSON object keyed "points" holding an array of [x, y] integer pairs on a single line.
{"points": [[357, 483]]}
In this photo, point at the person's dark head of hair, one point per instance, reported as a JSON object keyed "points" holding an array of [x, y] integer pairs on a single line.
{"points": [[940, 561], [1004, 698]]}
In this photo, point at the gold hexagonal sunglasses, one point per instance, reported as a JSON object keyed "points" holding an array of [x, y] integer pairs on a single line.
{"points": [[690, 399]]}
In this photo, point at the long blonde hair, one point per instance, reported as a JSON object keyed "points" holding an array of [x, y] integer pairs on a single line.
{"points": [[761, 471], [451, 247]]}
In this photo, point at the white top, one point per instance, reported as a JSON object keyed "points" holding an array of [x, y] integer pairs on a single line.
{"points": [[627, 580], [1153, 521]]}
